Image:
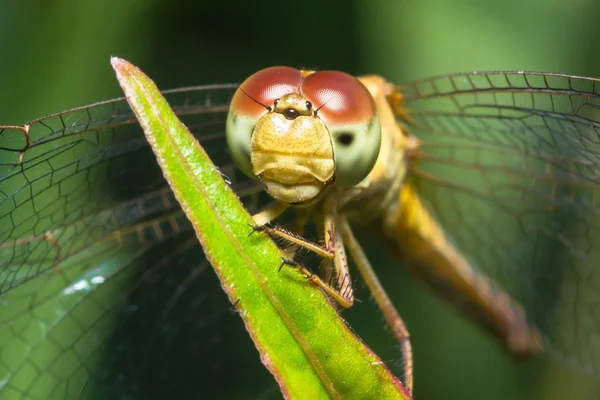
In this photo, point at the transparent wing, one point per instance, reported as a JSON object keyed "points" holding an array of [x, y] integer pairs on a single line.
{"points": [[510, 165], [104, 289]]}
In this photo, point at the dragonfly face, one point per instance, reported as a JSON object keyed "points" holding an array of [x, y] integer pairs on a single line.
{"points": [[508, 164], [299, 132]]}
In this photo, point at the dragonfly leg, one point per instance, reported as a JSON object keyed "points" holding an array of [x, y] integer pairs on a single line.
{"points": [[383, 301], [336, 280], [336, 294], [294, 239], [263, 219], [297, 227], [335, 271]]}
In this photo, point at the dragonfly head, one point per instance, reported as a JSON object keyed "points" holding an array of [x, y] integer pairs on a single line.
{"points": [[300, 132]]}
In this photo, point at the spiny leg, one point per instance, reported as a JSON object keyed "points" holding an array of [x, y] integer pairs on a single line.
{"points": [[301, 220], [337, 275], [327, 268], [341, 289], [381, 298], [263, 219], [330, 290]]}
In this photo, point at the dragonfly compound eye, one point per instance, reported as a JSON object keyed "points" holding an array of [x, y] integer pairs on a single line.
{"points": [[350, 114], [256, 96]]}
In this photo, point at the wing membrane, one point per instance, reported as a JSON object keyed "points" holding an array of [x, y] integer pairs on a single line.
{"points": [[510, 164], [105, 290]]}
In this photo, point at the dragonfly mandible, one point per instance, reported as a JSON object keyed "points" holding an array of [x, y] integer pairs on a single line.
{"points": [[483, 183]]}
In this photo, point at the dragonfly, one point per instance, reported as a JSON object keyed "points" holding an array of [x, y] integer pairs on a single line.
{"points": [[484, 185]]}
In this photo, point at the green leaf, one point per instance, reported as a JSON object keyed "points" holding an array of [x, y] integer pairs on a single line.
{"points": [[301, 338]]}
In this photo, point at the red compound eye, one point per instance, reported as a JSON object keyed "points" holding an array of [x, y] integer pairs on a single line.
{"points": [[261, 89], [340, 98]]}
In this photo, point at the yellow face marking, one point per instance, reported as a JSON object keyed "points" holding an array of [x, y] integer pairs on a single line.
{"points": [[291, 151]]}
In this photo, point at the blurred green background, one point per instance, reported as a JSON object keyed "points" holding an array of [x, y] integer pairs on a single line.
{"points": [[55, 55]]}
